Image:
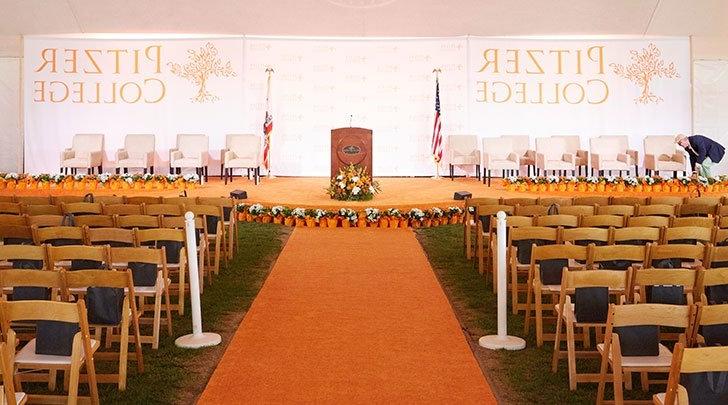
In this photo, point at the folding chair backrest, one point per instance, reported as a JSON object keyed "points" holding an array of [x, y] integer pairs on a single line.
{"points": [[665, 200], [33, 200], [607, 256], [602, 221], [636, 235], [12, 219], [98, 278], [58, 254], [10, 208], [95, 221], [531, 210], [676, 251], [676, 316], [692, 221], [114, 237], [164, 209], [696, 210], [623, 210], [137, 221], [43, 310], [577, 210], [16, 234], [560, 201], [653, 221], [553, 221], [11, 278], [58, 234], [123, 209], [704, 200], [688, 278], [142, 200], [43, 221], [59, 199], [720, 237], [81, 208], [519, 201], [629, 201], [109, 199], [688, 234], [137, 254], [490, 210], [615, 280], [715, 286], [180, 200], [24, 252], [585, 235], [662, 210], [591, 200], [474, 202], [45, 209], [554, 254]]}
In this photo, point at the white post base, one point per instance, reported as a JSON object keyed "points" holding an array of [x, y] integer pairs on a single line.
{"points": [[193, 341], [270, 176], [495, 342], [436, 177]]}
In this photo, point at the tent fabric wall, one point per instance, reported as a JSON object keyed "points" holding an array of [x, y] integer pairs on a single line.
{"points": [[11, 135], [710, 98]]}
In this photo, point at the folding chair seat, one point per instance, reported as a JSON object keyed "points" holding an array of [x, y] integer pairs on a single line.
{"points": [[544, 278], [619, 348], [139, 261], [602, 221], [521, 241], [114, 237], [560, 220], [108, 314], [662, 210], [82, 347], [44, 221], [652, 221], [136, 221], [174, 243], [57, 235], [578, 210], [45, 209], [94, 221], [122, 209], [470, 220], [623, 210], [591, 290], [694, 365]]}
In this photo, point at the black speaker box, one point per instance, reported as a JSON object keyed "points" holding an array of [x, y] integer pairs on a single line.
{"points": [[461, 195], [239, 194]]}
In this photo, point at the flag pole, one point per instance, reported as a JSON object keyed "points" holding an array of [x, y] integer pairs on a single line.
{"points": [[437, 72], [268, 125]]}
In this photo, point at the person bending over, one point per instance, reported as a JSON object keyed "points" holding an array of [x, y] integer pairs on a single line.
{"points": [[703, 152]]}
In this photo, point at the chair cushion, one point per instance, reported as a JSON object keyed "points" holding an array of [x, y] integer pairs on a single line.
{"points": [[76, 162], [503, 164], [27, 357], [186, 162], [663, 359], [558, 165], [132, 162], [242, 162]]}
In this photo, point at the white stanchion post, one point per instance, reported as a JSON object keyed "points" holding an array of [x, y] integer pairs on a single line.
{"points": [[198, 338], [502, 340]]}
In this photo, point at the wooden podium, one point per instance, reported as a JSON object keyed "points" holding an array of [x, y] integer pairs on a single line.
{"points": [[351, 146]]}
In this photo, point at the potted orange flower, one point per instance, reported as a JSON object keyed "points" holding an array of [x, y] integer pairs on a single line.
{"points": [[372, 215], [416, 217]]}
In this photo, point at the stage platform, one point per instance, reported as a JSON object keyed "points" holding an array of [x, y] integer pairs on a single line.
{"points": [[310, 192]]}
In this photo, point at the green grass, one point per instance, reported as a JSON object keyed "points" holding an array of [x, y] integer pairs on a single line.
{"points": [[170, 370], [527, 373]]}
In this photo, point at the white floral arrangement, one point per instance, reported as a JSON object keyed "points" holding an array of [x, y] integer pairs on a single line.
{"points": [[11, 176], [147, 176], [631, 181], [454, 211], [417, 214], [127, 178], [172, 178], [103, 177], [372, 214], [649, 180], [394, 213], [276, 210], [350, 214], [436, 212], [191, 177], [552, 179], [571, 179], [58, 178], [79, 177], [318, 214], [703, 180], [256, 209], [592, 180], [611, 179], [299, 213]]}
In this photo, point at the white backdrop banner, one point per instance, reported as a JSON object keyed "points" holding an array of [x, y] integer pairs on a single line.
{"points": [[488, 87], [710, 90], [122, 86], [633, 87]]}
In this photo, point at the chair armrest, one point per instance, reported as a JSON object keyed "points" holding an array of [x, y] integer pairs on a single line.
{"points": [[122, 154], [650, 161], [175, 154], [582, 154], [623, 157], [530, 154], [678, 157], [540, 160], [486, 160], [633, 154], [68, 154], [595, 159], [568, 157], [228, 155], [513, 157]]}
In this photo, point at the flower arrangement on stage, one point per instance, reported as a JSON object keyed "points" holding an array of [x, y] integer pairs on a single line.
{"points": [[103, 181], [348, 217], [607, 184], [353, 183]]}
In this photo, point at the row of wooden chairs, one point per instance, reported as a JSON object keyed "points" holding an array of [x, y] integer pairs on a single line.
{"points": [[599, 200], [113, 199]]}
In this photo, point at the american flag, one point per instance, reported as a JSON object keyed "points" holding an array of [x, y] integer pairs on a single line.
{"points": [[267, 129], [436, 135]]}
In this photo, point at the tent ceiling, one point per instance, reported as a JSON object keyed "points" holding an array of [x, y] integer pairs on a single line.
{"points": [[367, 17]]}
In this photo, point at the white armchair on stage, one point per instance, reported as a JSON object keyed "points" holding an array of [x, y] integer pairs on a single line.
{"points": [[138, 153], [522, 147], [606, 155], [573, 146], [193, 151], [633, 155], [242, 151], [463, 151], [499, 154], [661, 153], [551, 154], [86, 152]]}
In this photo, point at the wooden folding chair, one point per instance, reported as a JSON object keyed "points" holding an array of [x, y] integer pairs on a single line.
{"points": [[82, 351], [680, 255], [519, 201], [122, 209], [687, 234], [696, 210], [142, 200], [602, 221], [618, 257], [169, 210], [555, 221], [634, 201], [660, 210], [704, 222], [10, 253], [623, 210], [7, 368], [159, 291], [62, 257], [714, 277], [59, 199], [520, 243], [230, 220], [86, 279], [689, 279], [573, 254], [81, 208], [486, 258], [585, 236], [666, 200], [57, 235], [560, 201], [720, 237], [22, 279], [45, 209], [578, 210], [176, 262], [94, 221], [484, 217], [690, 361], [11, 208], [471, 219], [591, 200], [704, 200], [136, 221], [721, 210], [213, 218], [202, 246], [114, 237], [33, 199], [617, 283], [676, 316], [652, 221], [531, 210], [16, 235], [109, 199], [12, 219], [707, 316], [637, 235], [44, 221]]}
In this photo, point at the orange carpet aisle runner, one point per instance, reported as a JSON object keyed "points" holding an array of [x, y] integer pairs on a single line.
{"points": [[349, 316]]}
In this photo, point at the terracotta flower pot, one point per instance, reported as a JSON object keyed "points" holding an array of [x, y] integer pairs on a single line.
{"points": [[266, 219], [426, 223], [582, 187], [288, 221], [277, 219], [522, 188], [310, 222], [620, 188], [403, 222], [601, 187], [361, 223], [511, 187], [562, 187], [551, 187], [533, 188], [332, 222], [416, 223], [345, 223], [455, 219], [570, 187], [374, 224], [393, 222], [241, 216], [383, 222], [300, 222], [542, 188]]}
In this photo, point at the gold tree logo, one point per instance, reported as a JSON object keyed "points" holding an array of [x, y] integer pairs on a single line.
{"points": [[200, 66], [645, 66]]}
